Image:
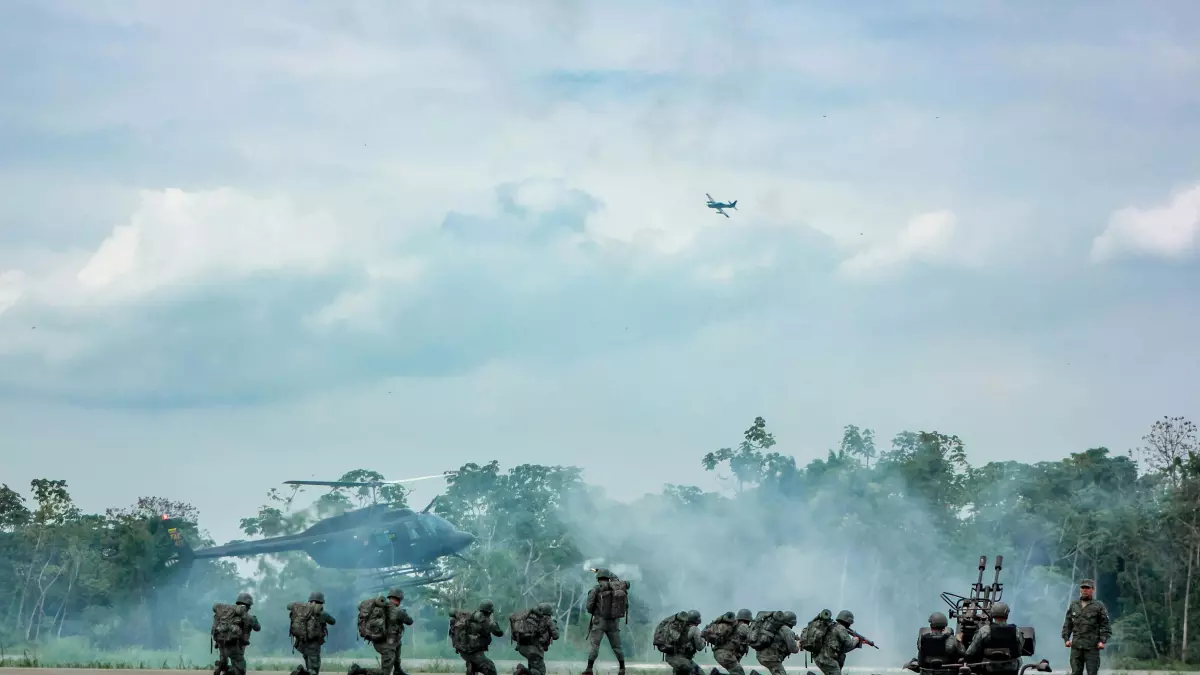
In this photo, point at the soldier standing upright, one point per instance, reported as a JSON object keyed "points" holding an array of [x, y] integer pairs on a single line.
{"points": [[383, 624], [832, 655], [729, 636], [232, 625], [1086, 629], [309, 625], [608, 603]]}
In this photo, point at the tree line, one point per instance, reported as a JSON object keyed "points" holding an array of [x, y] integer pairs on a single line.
{"points": [[881, 530]]}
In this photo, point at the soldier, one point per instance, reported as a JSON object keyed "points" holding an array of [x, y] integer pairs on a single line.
{"points": [[728, 653], [838, 643], [1086, 629], [998, 642], [231, 657], [309, 628], [602, 624], [937, 648], [680, 654], [534, 648], [480, 628], [388, 647], [782, 645]]}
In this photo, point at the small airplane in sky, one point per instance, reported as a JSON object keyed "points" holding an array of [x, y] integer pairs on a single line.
{"points": [[720, 206]]}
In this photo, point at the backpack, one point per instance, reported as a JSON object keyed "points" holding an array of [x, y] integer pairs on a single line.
{"points": [[525, 627], [228, 624], [669, 633], [373, 619], [720, 630], [466, 634], [812, 638], [306, 623], [612, 602], [765, 628]]}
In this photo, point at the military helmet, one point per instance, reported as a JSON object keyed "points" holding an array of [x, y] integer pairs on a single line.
{"points": [[396, 592], [938, 621], [603, 573], [544, 608], [487, 607], [744, 615], [244, 599], [789, 618], [999, 610], [316, 596], [683, 616], [846, 617], [693, 616]]}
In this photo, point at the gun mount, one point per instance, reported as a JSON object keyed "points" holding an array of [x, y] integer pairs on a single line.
{"points": [[970, 612]]}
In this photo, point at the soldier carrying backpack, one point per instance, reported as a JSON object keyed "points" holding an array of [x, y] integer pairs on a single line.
{"points": [[837, 643], [309, 625], [471, 634], [729, 637], [231, 628], [381, 621], [533, 630], [608, 603], [678, 638], [773, 641]]}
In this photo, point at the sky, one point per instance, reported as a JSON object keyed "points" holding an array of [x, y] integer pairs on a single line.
{"points": [[242, 243]]}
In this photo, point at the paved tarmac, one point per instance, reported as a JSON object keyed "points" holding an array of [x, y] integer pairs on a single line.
{"points": [[422, 667]]}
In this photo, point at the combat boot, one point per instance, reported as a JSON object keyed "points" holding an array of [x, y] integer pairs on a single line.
{"points": [[588, 670], [355, 669], [714, 671], [520, 669], [621, 667]]}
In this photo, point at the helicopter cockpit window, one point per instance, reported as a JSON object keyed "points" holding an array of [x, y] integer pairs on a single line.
{"points": [[430, 526], [413, 533]]}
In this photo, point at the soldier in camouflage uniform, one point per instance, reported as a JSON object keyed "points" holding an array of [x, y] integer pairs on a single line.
{"points": [[231, 659], [784, 645], [838, 643], [680, 657], [600, 627], [729, 655], [478, 662], [311, 649], [980, 641], [938, 626], [535, 652], [389, 647], [1086, 629]]}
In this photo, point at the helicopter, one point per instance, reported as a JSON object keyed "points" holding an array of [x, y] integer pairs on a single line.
{"points": [[395, 545]]}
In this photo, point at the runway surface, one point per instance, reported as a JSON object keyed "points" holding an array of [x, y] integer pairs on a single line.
{"points": [[421, 666]]}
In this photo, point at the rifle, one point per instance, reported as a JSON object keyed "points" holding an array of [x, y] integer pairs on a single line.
{"points": [[862, 639]]}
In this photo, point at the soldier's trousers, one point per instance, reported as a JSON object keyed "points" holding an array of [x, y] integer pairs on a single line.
{"points": [[478, 663], [389, 659], [311, 653], [232, 659], [730, 660], [682, 665], [1085, 658], [605, 628], [536, 656], [772, 663], [828, 667]]}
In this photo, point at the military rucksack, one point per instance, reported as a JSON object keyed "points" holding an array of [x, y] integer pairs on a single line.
{"points": [[467, 634], [670, 633], [306, 623], [765, 628], [373, 619], [612, 599], [720, 630], [228, 625], [525, 627], [813, 636]]}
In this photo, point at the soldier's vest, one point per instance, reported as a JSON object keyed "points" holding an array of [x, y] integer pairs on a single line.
{"points": [[931, 652]]}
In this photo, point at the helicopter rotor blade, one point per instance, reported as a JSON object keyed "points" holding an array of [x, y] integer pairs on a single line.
{"points": [[368, 483]]}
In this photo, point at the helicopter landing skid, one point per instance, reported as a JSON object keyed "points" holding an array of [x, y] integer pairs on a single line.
{"points": [[406, 576]]}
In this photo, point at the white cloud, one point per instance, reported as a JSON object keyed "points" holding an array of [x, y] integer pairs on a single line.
{"points": [[1165, 232], [926, 238], [12, 287]]}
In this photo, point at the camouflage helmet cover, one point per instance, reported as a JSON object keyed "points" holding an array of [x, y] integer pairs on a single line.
{"points": [[396, 592], [937, 621], [789, 618], [999, 610], [683, 616], [693, 616], [846, 617], [744, 615], [603, 573], [544, 608], [487, 607], [245, 599], [316, 596]]}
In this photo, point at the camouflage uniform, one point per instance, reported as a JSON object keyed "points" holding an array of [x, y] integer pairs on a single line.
{"points": [[838, 643], [999, 614], [938, 626], [784, 645], [1086, 626], [680, 658], [231, 659], [535, 652], [389, 647], [729, 655], [600, 628], [311, 649], [478, 662]]}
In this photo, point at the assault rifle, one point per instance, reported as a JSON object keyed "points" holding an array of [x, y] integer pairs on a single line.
{"points": [[862, 639]]}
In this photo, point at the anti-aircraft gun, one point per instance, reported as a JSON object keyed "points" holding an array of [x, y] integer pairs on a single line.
{"points": [[970, 612]]}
